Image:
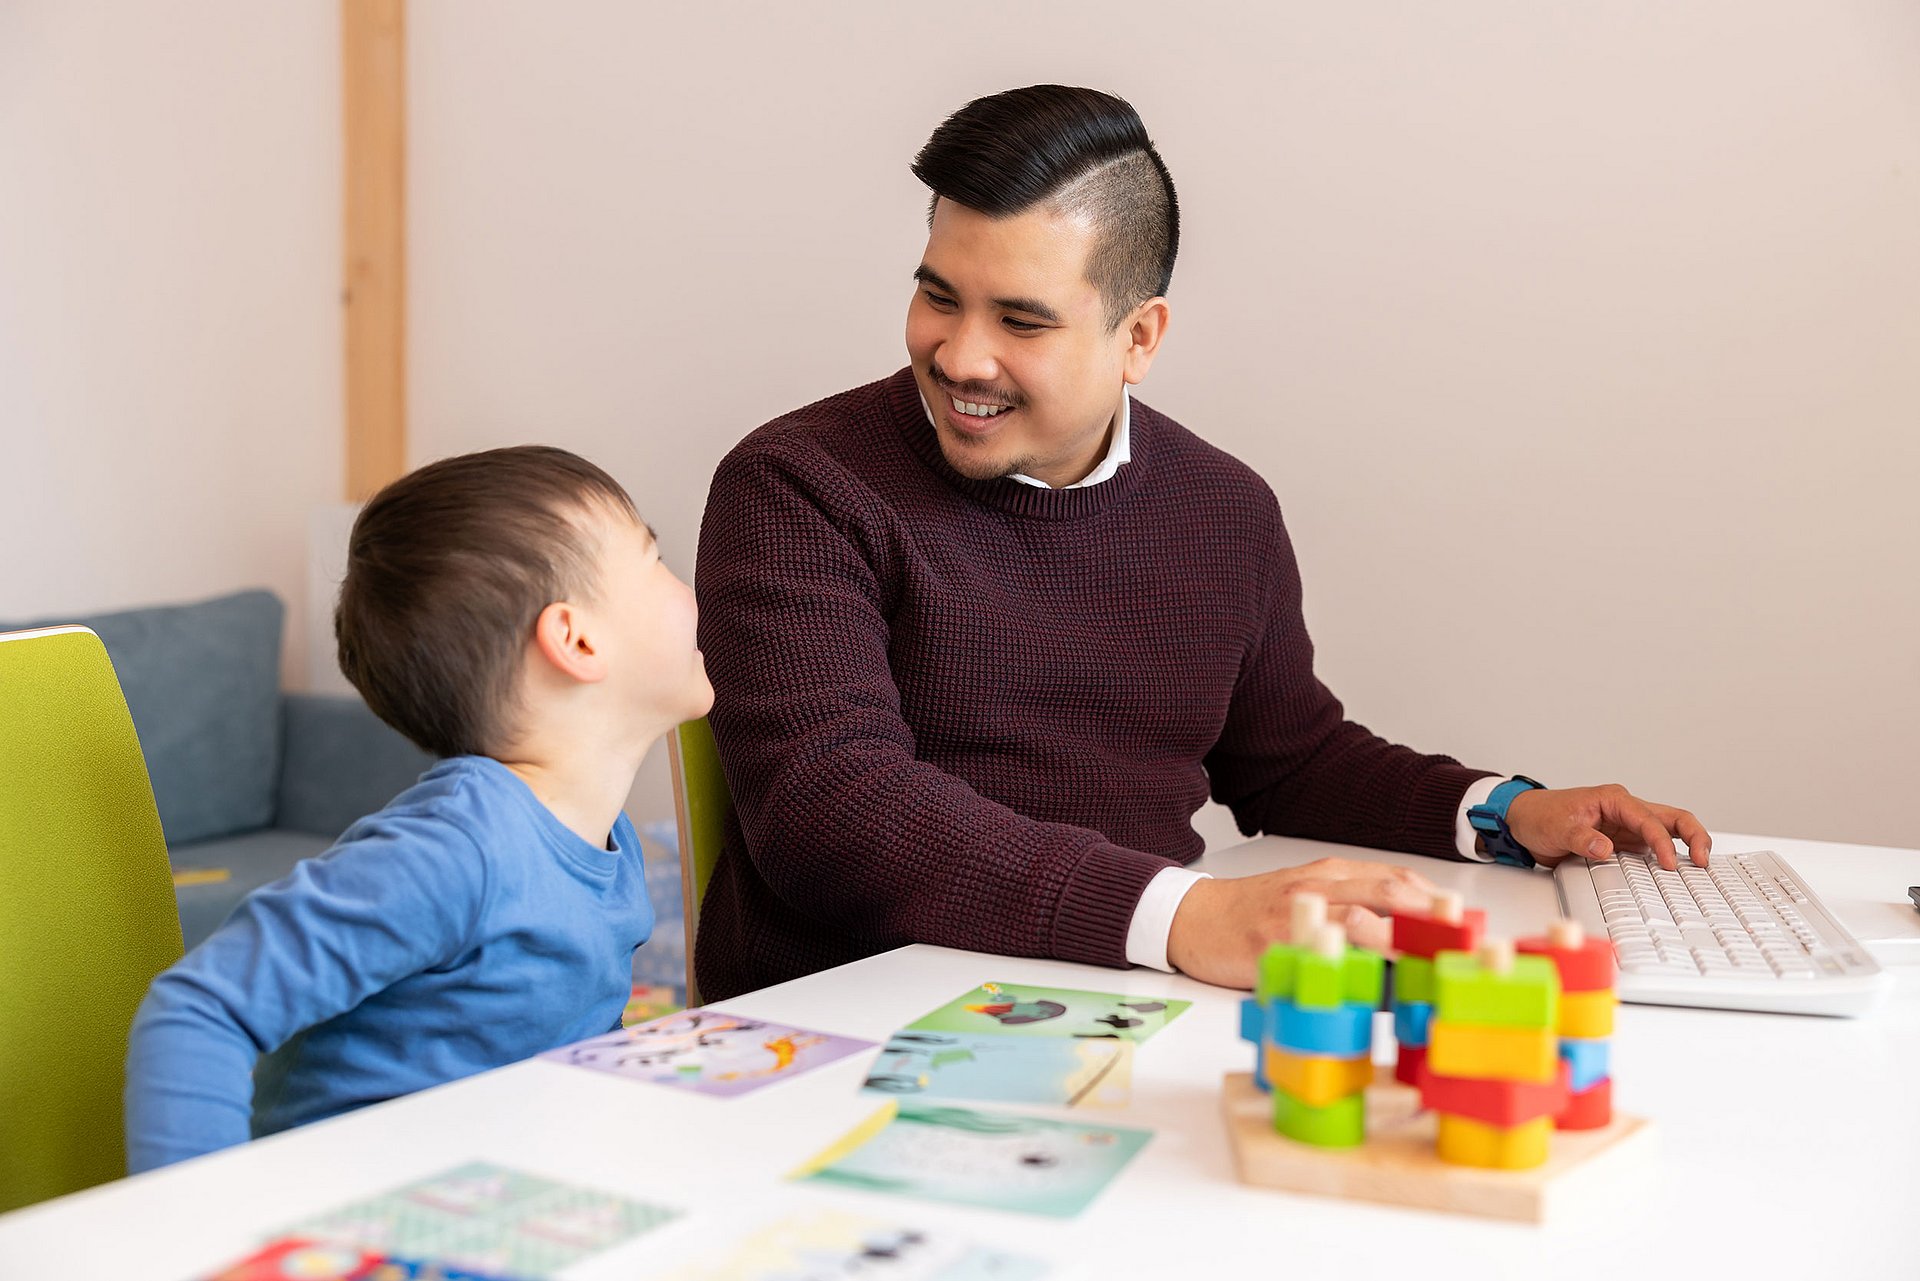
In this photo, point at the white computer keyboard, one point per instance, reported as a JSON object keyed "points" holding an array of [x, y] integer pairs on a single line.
{"points": [[1743, 933]]}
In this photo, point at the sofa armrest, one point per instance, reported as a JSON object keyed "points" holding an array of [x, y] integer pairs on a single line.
{"points": [[339, 763]]}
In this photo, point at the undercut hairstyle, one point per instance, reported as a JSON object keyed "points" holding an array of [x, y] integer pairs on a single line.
{"points": [[1076, 151], [448, 569]]}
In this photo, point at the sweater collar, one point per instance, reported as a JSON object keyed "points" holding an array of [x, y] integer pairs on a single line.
{"points": [[1009, 495]]}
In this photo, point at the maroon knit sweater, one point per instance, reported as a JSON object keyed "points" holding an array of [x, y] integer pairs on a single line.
{"points": [[982, 714]]}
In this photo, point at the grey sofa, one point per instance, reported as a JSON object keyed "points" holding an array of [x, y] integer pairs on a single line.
{"points": [[248, 780]]}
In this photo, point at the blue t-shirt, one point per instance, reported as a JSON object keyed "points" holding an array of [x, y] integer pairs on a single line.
{"points": [[461, 928]]}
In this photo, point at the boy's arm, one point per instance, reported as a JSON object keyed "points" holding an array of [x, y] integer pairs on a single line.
{"points": [[401, 895]]}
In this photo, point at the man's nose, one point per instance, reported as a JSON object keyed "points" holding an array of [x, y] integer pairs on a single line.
{"points": [[968, 354]]}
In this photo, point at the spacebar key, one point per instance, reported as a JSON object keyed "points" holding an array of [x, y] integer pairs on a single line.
{"points": [[1606, 878]]}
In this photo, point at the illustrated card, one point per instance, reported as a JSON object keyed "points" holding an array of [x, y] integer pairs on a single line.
{"points": [[487, 1219], [1029, 1164], [1009, 1009], [300, 1259], [709, 1052], [835, 1246], [1074, 1072]]}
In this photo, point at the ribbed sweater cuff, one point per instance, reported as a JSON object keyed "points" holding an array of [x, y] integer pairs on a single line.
{"points": [[1435, 806], [1099, 902]]}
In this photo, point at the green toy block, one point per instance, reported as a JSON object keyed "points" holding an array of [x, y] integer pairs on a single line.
{"points": [[1413, 979], [1340, 1124], [1466, 992], [1316, 982]]}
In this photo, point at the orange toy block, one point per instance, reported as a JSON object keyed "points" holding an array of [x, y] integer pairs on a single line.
{"points": [[1491, 1147], [1587, 1016], [1587, 967], [1483, 1053], [1590, 1109], [1502, 1104], [1317, 1080]]}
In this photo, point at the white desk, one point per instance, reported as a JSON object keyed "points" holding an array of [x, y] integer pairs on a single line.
{"points": [[1789, 1146]]}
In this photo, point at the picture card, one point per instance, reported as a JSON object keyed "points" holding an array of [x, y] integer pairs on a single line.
{"points": [[1029, 1164], [490, 1220], [709, 1052], [1012, 1009], [831, 1245], [301, 1259], [1073, 1072]]}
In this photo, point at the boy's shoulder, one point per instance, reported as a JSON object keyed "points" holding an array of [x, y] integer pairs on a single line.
{"points": [[460, 801]]}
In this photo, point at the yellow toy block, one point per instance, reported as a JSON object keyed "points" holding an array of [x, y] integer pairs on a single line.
{"points": [[1482, 1053], [1489, 1147], [1587, 1016], [1315, 1079]]}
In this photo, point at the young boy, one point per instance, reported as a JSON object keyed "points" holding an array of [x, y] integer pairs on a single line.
{"points": [[508, 611]]}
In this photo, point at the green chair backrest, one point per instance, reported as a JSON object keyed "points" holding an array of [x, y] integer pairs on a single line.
{"points": [[701, 805], [87, 915]]}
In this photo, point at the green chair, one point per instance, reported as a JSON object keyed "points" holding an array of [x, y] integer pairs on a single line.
{"points": [[701, 807], [87, 914]]}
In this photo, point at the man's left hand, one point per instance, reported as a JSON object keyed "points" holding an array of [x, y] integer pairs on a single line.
{"points": [[1592, 822]]}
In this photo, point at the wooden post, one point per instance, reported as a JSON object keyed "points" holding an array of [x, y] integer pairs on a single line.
{"points": [[373, 63]]}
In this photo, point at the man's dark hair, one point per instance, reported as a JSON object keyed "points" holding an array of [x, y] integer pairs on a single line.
{"points": [[448, 569], [1077, 150]]}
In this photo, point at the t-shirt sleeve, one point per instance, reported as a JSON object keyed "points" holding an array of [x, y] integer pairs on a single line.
{"points": [[840, 817], [399, 894]]}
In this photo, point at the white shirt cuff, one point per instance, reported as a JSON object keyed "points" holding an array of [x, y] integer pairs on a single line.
{"points": [[1465, 839], [1153, 918]]}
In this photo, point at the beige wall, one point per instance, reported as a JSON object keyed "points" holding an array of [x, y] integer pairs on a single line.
{"points": [[1581, 342], [169, 300]]}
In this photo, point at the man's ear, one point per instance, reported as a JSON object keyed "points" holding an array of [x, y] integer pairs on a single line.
{"points": [[560, 634], [1145, 330]]}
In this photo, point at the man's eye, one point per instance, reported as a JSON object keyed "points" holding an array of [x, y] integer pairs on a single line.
{"points": [[938, 300], [1023, 326]]}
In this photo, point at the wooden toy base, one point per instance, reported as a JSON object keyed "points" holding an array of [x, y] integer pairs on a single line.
{"points": [[1397, 1164]]}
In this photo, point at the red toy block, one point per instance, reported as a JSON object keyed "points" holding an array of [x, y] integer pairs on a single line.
{"points": [[1418, 934], [1411, 1063], [1590, 1109], [1586, 968], [1501, 1104]]}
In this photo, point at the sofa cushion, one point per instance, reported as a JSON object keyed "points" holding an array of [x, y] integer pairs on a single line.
{"points": [[203, 684], [249, 861]]}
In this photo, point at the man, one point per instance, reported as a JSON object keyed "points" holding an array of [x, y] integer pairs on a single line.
{"points": [[987, 633]]}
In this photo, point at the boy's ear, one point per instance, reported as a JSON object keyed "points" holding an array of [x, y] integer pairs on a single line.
{"points": [[560, 634]]}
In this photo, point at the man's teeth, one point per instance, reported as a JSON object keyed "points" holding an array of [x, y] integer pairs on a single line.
{"points": [[973, 410]]}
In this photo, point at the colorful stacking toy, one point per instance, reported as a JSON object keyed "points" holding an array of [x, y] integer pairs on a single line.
{"points": [[1311, 1016], [1493, 1071], [1419, 938], [1585, 966]]}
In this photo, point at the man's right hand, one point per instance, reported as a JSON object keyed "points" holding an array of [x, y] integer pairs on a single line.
{"points": [[1222, 926]]}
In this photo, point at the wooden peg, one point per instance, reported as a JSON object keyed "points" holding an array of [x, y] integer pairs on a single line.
{"points": [[1567, 933], [1309, 914], [1497, 956], [1447, 906], [1330, 940]]}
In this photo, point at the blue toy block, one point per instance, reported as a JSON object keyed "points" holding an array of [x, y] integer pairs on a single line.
{"points": [[1253, 1020], [1591, 1061], [1253, 1027], [1341, 1033], [1411, 1020]]}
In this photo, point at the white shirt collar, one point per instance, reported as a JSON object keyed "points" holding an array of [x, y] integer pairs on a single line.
{"points": [[1119, 453]]}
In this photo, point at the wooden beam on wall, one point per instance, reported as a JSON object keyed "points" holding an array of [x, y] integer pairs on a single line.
{"points": [[373, 62]]}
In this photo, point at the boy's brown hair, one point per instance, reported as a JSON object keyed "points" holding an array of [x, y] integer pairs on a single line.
{"points": [[448, 569]]}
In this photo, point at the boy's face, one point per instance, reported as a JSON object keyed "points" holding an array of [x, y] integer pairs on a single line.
{"points": [[656, 672]]}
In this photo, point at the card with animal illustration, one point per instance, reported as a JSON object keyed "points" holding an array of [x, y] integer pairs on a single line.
{"points": [[491, 1220], [1030, 1164], [1010, 1009], [709, 1052], [832, 1245], [1071, 1072]]}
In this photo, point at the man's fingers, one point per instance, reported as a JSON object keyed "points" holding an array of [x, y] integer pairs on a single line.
{"points": [[1632, 813], [1699, 844], [1364, 928]]}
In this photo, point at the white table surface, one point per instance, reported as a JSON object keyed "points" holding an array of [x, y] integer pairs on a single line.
{"points": [[1789, 1146]]}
